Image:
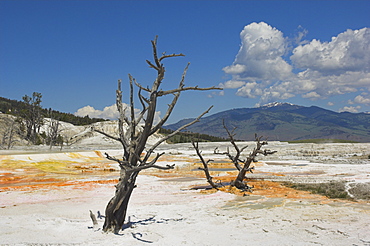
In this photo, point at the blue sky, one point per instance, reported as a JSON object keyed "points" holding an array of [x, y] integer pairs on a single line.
{"points": [[302, 52]]}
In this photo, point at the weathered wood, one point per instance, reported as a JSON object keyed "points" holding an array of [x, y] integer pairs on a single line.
{"points": [[205, 165], [235, 159], [115, 212], [93, 218]]}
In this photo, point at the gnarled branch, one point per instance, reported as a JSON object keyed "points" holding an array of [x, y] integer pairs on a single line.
{"points": [[235, 159], [205, 165], [194, 88], [107, 135], [123, 164]]}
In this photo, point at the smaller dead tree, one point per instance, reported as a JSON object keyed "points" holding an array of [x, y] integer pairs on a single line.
{"points": [[53, 136], [239, 181], [11, 129], [242, 165]]}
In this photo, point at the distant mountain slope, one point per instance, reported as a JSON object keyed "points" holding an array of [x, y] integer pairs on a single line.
{"points": [[284, 121]]}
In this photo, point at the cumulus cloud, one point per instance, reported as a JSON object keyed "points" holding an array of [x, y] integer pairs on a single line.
{"points": [[362, 99], [321, 69], [235, 69], [273, 94], [109, 112], [337, 67], [250, 90], [350, 109], [232, 84], [311, 95], [347, 52], [260, 55]]}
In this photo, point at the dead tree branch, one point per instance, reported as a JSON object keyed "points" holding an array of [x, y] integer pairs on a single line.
{"points": [[205, 165], [235, 159], [150, 151]]}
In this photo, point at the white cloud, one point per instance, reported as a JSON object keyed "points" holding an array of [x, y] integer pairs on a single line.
{"points": [[272, 94], [109, 112], [235, 69], [260, 55], [350, 109], [232, 84], [249, 90], [330, 104], [311, 95], [337, 67], [349, 51], [362, 100], [300, 35]]}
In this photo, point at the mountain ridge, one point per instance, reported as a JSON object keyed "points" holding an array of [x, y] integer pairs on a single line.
{"points": [[284, 122]]}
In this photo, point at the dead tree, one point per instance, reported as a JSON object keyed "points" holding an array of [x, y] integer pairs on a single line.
{"points": [[134, 131], [243, 166]]}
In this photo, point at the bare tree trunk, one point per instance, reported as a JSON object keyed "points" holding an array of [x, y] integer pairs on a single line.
{"points": [[53, 131], [115, 212], [239, 181]]}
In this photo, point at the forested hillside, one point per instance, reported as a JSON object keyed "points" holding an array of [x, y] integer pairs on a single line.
{"points": [[13, 107]]}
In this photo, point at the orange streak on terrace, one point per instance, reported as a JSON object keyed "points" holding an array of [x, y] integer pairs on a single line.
{"points": [[28, 175]]}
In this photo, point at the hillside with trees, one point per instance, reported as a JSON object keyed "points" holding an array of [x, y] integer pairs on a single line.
{"points": [[14, 107], [27, 123]]}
